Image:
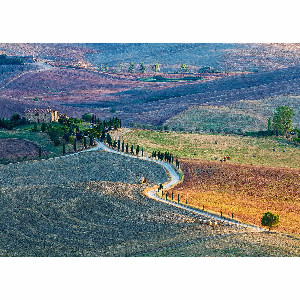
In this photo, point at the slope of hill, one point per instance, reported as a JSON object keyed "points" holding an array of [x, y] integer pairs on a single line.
{"points": [[243, 115]]}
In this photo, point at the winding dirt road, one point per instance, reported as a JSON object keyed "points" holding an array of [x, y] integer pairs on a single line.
{"points": [[174, 179]]}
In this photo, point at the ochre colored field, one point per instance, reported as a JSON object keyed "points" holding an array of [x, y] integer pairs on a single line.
{"points": [[246, 191]]}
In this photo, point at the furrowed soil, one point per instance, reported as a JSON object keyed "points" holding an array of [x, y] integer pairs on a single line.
{"points": [[246, 191], [212, 147]]}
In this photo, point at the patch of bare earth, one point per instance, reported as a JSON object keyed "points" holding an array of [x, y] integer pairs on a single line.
{"points": [[16, 149]]}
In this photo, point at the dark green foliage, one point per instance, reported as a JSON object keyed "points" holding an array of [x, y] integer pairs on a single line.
{"points": [[142, 151], [108, 139], [142, 68], [15, 120], [35, 129], [270, 220], [91, 140], [119, 145], [282, 120], [6, 60], [84, 142], [64, 149], [123, 144], [206, 70], [131, 149], [137, 150], [43, 127], [115, 144], [40, 152], [75, 145], [131, 67], [127, 148]]}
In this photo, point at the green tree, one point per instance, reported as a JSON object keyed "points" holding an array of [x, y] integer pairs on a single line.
{"points": [[35, 128], [270, 220], [131, 67], [137, 150], [40, 152], [142, 68], [64, 149], [84, 142], [184, 68], [43, 127], [269, 124], [282, 120], [156, 67], [108, 139], [75, 145]]}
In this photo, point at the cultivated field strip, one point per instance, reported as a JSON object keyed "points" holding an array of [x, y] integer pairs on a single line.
{"points": [[82, 167]]}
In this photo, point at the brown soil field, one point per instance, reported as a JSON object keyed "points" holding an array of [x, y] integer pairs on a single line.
{"points": [[246, 191], [16, 149]]}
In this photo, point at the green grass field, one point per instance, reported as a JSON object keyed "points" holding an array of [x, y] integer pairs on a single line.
{"points": [[211, 147], [39, 138], [244, 115]]}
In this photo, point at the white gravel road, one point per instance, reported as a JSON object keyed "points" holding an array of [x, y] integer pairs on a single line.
{"points": [[174, 179]]}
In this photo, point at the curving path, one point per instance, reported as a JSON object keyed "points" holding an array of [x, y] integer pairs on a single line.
{"points": [[174, 180]]}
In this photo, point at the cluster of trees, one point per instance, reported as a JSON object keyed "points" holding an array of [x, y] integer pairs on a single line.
{"points": [[184, 68], [112, 123], [280, 125], [6, 60], [69, 131], [13, 121], [166, 156], [120, 146]]}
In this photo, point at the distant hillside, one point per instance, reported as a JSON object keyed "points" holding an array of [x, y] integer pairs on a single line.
{"points": [[243, 115], [224, 57]]}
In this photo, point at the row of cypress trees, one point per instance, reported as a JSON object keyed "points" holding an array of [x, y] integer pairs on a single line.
{"points": [[166, 156]]}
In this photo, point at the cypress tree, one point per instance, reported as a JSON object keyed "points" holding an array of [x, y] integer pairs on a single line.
{"points": [[40, 152], [75, 145], [131, 149], [127, 148], [137, 150], [122, 146], [91, 140], [43, 127], [119, 144], [64, 149], [84, 142]]}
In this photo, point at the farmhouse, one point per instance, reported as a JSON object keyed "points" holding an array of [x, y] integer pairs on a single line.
{"points": [[41, 115]]}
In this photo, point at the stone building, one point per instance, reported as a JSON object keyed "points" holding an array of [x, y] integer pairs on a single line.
{"points": [[38, 115]]}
